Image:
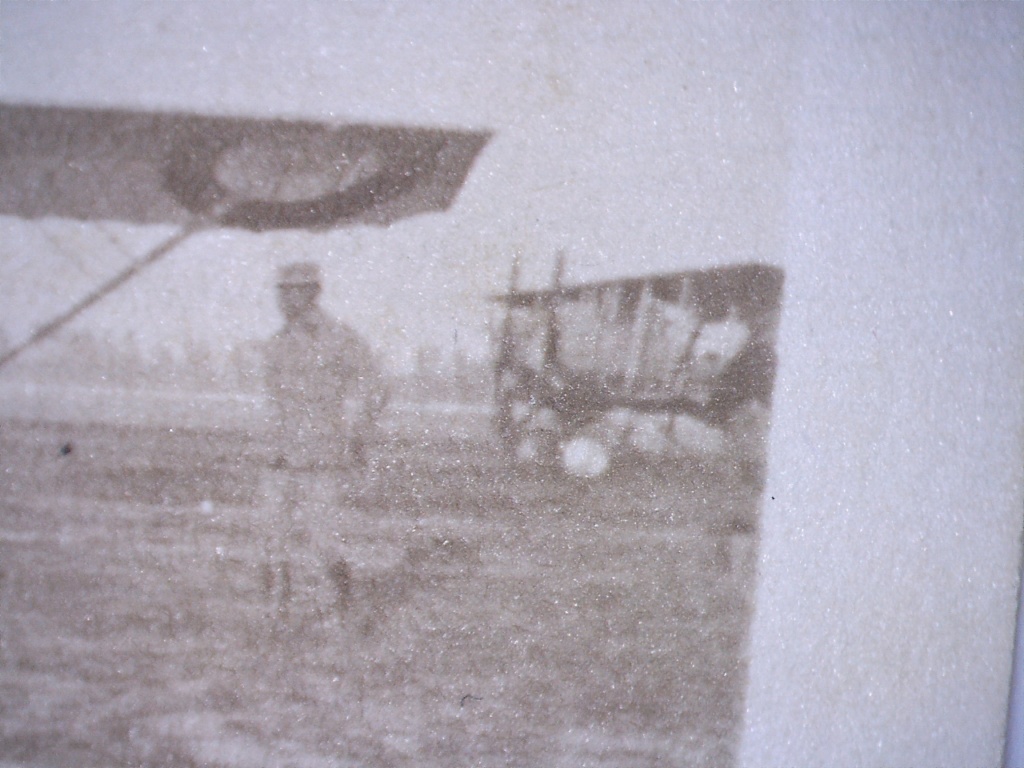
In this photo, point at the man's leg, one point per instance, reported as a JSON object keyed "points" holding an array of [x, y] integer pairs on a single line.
{"points": [[276, 523], [340, 577]]}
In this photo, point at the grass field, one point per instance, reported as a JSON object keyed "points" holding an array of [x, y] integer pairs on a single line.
{"points": [[496, 618]]}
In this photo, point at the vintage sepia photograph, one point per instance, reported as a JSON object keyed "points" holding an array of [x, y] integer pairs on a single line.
{"points": [[386, 386], [297, 550]]}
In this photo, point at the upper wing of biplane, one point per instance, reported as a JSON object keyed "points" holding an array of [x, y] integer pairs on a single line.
{"points": [[151, 167]]}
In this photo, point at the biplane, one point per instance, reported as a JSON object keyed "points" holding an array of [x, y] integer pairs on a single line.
{"points": [[582, 369], [204, 172]]}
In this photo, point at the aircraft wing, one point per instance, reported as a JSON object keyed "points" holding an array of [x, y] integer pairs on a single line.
{"points": [[255, 174]]}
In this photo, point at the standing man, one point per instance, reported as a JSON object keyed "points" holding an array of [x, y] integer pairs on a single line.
{"points": [[327, 393]]}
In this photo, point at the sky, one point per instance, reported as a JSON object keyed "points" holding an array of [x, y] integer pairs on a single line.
{"points": [[633, 141]]}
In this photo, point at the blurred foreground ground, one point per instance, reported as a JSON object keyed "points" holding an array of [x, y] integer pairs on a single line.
{"points": [[497, 618]]}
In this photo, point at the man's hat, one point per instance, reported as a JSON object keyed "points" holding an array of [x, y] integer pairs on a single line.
{"points": [[301, 273]]}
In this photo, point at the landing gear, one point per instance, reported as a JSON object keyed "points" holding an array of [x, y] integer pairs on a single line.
{"points": [[530, 431]]}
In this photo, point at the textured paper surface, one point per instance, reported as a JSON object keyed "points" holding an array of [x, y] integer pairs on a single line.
{"points": [[883, 577], [873, 153]]}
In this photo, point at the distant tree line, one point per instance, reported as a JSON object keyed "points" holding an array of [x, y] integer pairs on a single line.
{"points": [[435, 377], [86, 358]]}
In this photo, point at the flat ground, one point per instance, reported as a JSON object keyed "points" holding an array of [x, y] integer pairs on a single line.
{"points": [[495, 618]]}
